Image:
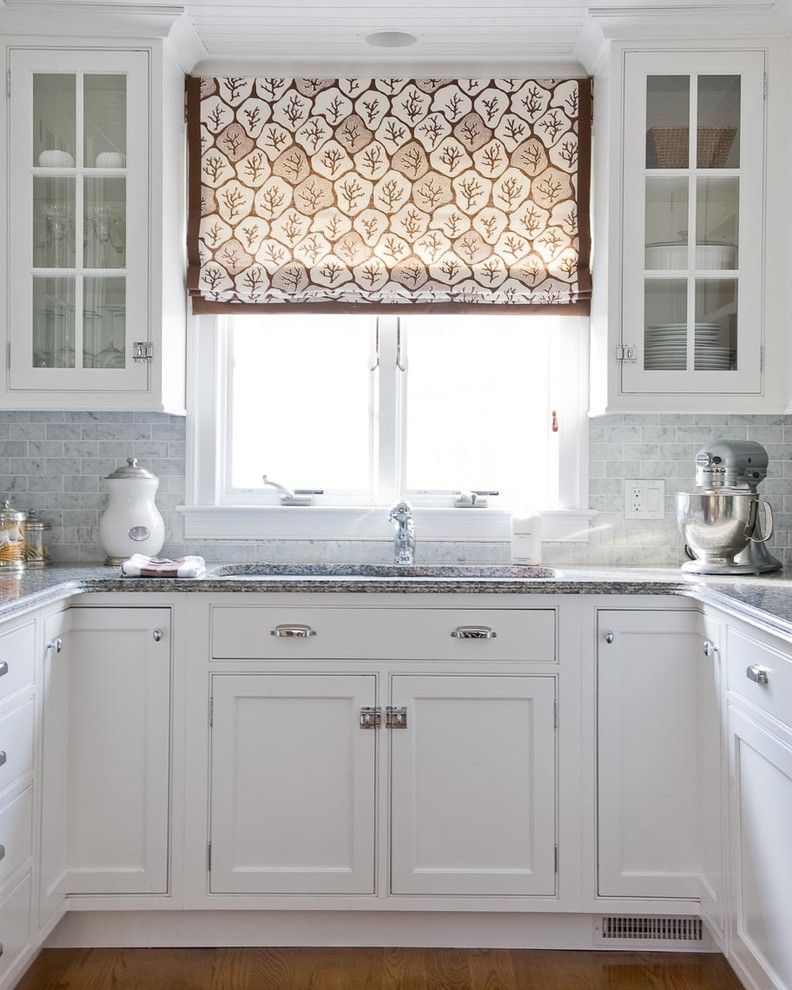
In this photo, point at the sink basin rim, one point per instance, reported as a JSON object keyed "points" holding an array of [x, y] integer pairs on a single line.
{"points": [[384, 572]]}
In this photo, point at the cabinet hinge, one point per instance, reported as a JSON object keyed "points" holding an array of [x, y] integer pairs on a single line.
{"points": [[143, 350], [8, 355], [185, 104], [8, 83], [626, 354], [211, 711], [555, 714], [761, 357], [764, 85], [208, 857], [555, 859]]}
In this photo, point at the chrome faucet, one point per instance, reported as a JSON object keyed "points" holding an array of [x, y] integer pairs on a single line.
{"points": [[404, 541]]}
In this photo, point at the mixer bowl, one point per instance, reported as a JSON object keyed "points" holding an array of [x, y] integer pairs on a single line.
{"points": [[717, 525]]}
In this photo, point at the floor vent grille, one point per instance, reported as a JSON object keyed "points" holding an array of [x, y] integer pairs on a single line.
{"points": [[666, 929]]}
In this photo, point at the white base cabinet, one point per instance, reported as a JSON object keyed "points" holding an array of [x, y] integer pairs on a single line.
{"points": [[473, 785], [292, 784], [106, 745], [761, 819], [647, 717]]}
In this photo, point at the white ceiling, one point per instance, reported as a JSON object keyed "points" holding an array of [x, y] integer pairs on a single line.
{"points": [[446, 29], [450, 34]]}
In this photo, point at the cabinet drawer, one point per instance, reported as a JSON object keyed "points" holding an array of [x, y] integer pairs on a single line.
{"points": [[17, 658], [262, 633], [748, 657], [15, 924], [16, 743], [16, 820]]}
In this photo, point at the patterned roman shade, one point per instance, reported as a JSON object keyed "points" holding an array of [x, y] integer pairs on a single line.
{"points": [[355, 193]]}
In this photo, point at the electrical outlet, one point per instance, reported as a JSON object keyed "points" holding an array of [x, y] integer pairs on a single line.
{"points": [[644, 499]]}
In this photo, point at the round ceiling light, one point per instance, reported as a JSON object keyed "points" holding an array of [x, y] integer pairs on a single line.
{"points": [[391, 39]]}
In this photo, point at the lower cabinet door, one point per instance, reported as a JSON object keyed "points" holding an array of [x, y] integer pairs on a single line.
{"points": [[118, 662], [473, 785], [648, 665], [760, 771], [292, 784]]}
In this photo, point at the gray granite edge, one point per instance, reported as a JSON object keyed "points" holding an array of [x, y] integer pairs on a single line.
{"points": [[61, 583]]}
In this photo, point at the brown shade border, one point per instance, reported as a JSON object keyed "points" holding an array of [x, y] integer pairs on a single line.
{"points": [[200, 305]]}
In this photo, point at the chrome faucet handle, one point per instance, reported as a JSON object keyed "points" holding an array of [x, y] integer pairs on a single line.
{"points": [[401, 513]]}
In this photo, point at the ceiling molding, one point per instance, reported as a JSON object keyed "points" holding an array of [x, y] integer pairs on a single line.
{"points": [[682, 22], [186, 44], [88, 19]]}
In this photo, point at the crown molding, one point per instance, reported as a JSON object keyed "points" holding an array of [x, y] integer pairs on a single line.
{"points": [[88, 19]]}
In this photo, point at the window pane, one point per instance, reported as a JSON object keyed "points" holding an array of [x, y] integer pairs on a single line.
{"points": [[300, 401], [478, 405]]}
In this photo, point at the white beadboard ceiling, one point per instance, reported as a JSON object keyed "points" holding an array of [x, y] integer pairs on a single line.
{"points": [[446, 29], [322, 35]]}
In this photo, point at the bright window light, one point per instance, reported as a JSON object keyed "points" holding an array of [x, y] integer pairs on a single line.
{"points": [[300, 402], [478, 412]]}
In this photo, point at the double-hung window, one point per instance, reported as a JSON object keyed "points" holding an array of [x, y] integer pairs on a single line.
{"points": [[312, 426]]}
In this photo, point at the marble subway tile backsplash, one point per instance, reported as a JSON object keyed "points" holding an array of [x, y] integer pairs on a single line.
{"points": [[55, 461]]}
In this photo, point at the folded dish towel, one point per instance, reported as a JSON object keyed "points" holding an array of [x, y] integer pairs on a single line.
{"points": [[139, 565]]}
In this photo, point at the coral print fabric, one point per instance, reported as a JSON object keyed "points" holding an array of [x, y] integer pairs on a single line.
{"points": [[389, 192]]}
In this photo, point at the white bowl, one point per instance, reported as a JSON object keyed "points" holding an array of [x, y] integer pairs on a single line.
{"points": [[53, 158], [110, 159], [715, 257]]}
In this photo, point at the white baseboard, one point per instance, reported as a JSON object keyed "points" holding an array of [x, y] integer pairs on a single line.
{"points": [[328, 928]]}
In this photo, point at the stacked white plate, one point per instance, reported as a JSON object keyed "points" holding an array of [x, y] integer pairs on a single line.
{"points": [[666, 348]]}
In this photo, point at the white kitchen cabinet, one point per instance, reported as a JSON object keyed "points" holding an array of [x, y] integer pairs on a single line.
{"points": [[292, 784], [647, 730], [53, 874], [689, 289], [473, 785], [106, 753], [760, 771], [89, 197]]}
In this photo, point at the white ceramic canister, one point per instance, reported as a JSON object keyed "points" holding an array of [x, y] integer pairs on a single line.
{"points": [[131, 523]]}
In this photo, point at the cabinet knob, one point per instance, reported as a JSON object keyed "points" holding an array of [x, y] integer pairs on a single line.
{"points": [[757, 674], [2, 851], [56, 644], [709, 648], [157, 634], [3, 757], [610, 636], [3, 667]]}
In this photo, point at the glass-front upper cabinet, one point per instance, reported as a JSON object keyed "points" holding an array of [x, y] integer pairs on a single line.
{"points": [[692, 222], [78, 211]]}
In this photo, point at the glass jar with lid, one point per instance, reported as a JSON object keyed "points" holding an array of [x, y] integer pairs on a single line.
{"points": [[36, 548], [12, 537]]}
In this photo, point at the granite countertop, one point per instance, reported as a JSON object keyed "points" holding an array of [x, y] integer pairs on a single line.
{"points": [[767, 598]]}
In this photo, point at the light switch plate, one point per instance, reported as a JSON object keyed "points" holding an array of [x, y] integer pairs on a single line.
{"points": [[644, 499]]}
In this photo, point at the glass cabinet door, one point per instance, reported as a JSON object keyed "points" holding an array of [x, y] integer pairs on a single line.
{"points": [[78, 209], [692, 222]]}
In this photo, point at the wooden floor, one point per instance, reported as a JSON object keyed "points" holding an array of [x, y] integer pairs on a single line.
{"points": [[373, 969]]}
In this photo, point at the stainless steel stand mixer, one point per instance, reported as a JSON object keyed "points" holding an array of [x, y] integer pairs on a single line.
{"points": [[720, 519]]}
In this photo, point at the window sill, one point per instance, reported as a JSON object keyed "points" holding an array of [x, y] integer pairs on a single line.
{"points": [[259, 522]]}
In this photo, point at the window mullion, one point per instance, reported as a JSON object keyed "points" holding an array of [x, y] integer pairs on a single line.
{"points": [[388, 405]]}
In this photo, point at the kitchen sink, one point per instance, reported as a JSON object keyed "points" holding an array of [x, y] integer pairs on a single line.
{"points": [[435, 572]]}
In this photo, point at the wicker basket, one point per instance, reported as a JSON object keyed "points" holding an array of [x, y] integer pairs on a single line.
{"points": [[667, 147]]}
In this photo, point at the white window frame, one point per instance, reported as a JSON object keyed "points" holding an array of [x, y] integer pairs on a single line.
{"points": [[212, 513]]}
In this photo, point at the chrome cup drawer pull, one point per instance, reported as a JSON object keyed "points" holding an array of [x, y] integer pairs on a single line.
{"points": [[759, 675], [293, 632], [473, 632]]}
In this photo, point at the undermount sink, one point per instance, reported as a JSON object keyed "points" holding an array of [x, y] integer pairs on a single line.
{"points": [[413, 572]]}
